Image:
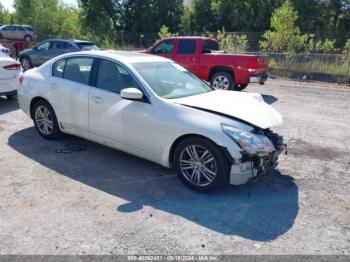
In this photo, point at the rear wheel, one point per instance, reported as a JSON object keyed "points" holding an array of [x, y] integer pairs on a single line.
{"points": [[201, 164], [26, 63], [28, 38], [45, 120], [222, 80], [11, 97]]}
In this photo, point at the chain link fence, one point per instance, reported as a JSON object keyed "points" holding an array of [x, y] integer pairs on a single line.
{"points": [[320, 67]]}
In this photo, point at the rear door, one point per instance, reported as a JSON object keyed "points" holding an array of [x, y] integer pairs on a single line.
{"points": [[69, 88], [165, 48], [186, 54], [61, 47]]}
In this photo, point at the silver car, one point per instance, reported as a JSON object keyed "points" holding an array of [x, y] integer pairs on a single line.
{"points": [[18, 32]]}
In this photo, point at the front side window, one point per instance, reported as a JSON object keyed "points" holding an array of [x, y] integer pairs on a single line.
{"points": [[170, 80], [113, 78], [44, 46], [186, 47], [58, 68], [78, 69], [8, 28], [164, 47]]}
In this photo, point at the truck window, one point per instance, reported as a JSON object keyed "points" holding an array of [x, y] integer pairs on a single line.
{"points": [[210, 45], [164, 47], [186, 46]]}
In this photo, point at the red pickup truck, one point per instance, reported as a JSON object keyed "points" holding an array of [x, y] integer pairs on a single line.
{"points": [[201, 56]]}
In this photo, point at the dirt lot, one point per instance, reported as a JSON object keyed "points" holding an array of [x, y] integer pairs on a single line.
{"points": [[101, 201]]}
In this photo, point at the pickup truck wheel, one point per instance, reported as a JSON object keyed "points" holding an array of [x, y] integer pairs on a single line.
{"points": [[222, 80], [240, 87]]}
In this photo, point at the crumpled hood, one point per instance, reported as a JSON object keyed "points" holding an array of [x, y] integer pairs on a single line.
{"points": [[248, 107]]}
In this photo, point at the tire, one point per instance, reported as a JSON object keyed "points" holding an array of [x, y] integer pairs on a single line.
{"points": [[28, 38], [11, 97], [186, 168], [240, 87], [53, 130], [26, 63], [222, 80]]}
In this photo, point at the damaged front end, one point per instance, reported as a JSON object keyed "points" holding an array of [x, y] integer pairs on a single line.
{"points": [[260, 151]]}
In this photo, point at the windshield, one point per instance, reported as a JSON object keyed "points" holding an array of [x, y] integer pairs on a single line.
{"points": [[170, 80]]}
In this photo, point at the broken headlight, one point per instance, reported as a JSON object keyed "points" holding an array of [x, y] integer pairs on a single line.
{"points": [[250, 143]]}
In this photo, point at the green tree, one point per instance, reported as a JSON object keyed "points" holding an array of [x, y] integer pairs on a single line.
{"points": [[284, 35], [186, 24]]}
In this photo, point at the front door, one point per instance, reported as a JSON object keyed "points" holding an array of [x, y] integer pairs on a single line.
{"points": [[115, 121], [165, 48]]}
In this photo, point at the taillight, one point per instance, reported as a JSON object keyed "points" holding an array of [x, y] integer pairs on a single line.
{"points": [[252, 65], [21, 79], [16, 66]]}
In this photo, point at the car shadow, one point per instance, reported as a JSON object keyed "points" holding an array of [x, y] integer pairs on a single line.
{"points": [[7, 106], [269, 99], [260, 211]]}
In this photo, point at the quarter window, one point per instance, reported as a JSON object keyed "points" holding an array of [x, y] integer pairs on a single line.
{"points": [[78, 69], [58, 68], [114, 78], [186, 47], [164, 47]]}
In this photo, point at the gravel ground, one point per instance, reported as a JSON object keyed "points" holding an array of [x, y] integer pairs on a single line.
{"points": [[101, 201]]}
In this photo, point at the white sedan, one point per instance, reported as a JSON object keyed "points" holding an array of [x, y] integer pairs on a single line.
{"points": [[9, 72], [153, 108]]}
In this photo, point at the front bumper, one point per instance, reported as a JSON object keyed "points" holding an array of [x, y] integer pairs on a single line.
{"points": [[250, 167], [260, 79]]}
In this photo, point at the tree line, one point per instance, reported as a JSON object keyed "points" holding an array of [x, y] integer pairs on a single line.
{"points": [[308, 25]]}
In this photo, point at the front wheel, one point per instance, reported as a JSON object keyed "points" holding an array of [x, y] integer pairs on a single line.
{"points": [[201, 164], [28, 38], [240, 87], [222, 80], [45, 120]]}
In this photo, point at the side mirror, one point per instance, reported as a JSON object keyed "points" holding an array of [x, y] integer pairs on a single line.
{"points": [[131, 93]]}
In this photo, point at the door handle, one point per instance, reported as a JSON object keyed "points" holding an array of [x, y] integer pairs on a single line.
{"points": [[97, 100], [54, 86]]}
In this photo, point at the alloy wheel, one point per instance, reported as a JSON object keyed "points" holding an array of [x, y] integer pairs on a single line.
{"points": [[25, 64], [198, 165], [43, 120], [221, 82]]}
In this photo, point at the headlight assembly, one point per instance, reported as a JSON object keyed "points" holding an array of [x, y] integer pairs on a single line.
{"points": [[250, 143]]}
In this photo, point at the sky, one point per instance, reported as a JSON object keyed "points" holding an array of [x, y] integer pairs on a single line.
{"points": [[8, 4]]}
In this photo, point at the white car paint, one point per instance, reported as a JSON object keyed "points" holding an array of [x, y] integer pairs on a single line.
{"points": [[8, 78], [147, 130]]}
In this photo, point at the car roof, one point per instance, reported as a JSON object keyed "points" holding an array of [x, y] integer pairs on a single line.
{"points": [[68, 40], [191, 37], [127, 57]]}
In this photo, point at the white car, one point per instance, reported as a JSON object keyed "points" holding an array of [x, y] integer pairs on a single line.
{"points": [[153, 108], [5, 50], [9, 73]]}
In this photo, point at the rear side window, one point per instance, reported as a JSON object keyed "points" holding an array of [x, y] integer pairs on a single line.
{"points": [[61, 45], [78, 69], [58, 68], [210, 45], [87, 46], [187, 46]]}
